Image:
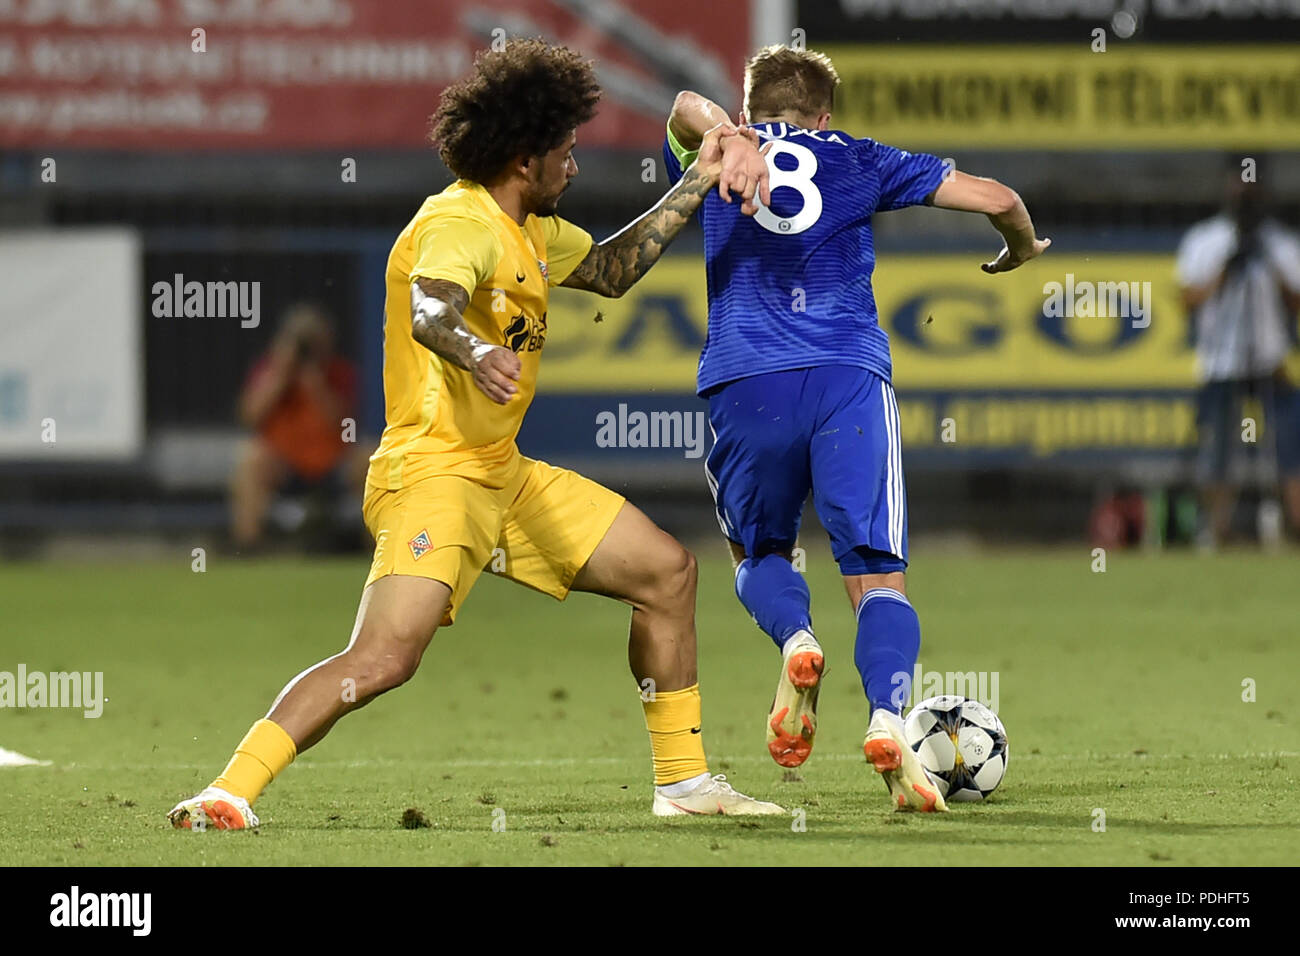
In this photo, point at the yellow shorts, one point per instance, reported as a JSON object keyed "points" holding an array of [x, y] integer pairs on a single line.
{"points": [[539, 529]]}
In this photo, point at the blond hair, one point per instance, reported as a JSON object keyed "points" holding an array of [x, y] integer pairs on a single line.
{"points": [[780, 80]]}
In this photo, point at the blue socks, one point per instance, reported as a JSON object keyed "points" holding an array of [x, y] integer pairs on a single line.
{"points": [[889, 639], [889, 632], [776, 596]]}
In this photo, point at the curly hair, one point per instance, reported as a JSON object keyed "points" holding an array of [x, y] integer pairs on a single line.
{"points": [[522, 100]]}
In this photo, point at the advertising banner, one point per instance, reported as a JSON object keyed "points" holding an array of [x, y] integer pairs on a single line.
{"points": [[1079, 354], [71, 345], [1055, 21], [264, 74], [940, 99]]}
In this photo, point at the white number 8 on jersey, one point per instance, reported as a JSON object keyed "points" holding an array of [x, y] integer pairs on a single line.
{"points": [[799, 178]]}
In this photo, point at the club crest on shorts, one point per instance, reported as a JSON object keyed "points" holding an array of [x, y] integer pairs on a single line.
{"points": [[420, 544]]}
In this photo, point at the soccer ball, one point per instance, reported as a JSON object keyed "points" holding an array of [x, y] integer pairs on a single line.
{"points": [[962, 743]]}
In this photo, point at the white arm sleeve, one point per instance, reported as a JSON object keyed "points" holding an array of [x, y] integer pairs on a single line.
{"points": [[1203, 253], [1283, 251]]}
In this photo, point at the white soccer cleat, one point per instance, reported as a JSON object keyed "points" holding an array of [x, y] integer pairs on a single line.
{"points": [[712, 797], [887, 751], [792, 721], [215, 808]]}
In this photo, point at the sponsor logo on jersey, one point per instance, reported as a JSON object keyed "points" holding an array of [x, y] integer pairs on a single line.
{"points": [[526, 333]]}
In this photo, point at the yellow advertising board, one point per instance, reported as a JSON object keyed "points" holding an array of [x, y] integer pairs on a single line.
{"points": [[1065, 321], [1066, 96], [1075, 353]]}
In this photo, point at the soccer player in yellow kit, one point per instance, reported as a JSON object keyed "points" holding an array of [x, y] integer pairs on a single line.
{"points": [[465, 324]]}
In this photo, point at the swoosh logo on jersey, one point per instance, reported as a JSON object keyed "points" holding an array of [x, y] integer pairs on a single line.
{"points": [[695, 730], [519, 277]]}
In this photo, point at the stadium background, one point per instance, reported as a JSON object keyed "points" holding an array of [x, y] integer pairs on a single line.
{"points": [[129, 158]]}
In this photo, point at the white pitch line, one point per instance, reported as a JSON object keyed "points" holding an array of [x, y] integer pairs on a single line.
{"points": [[716, 760], [12, 758]]}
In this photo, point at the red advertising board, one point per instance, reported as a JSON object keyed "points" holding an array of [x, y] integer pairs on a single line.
{"points": [[326, 74]]}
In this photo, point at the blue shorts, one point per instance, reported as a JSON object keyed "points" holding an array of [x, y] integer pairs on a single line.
{"points": [[831, 430]]}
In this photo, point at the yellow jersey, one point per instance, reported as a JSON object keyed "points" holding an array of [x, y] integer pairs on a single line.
{"points": [[437, 420]]}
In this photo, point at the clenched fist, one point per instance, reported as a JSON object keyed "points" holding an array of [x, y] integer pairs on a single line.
{"points": [[495, 371]]}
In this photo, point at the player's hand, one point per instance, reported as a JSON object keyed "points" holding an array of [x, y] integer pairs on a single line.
{"points": [[288, 341], [709, 158], [1008, 260], [744, 171], [496, 370]]}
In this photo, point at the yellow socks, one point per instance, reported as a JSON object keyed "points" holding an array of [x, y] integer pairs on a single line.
{"points": [[673, 719], [265, 750]]}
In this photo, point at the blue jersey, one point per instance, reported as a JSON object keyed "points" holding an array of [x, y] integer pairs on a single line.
{"points": [[791, 287]]}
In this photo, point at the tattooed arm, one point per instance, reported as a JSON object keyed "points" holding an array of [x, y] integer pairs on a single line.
{"points": [[744, 170], [438, 323], [613, 266]]}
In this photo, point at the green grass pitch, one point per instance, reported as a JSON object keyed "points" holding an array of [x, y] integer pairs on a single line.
{"points": [[1121, 692]]}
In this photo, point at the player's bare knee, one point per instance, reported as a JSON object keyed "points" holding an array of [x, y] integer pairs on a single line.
{"points": [[386, 657], [859, 584], [376, 673], [673, 585], [896, 580], [690, 572]]}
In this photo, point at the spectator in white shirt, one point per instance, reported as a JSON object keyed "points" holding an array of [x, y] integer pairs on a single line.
{"points": [[1239, 274]]}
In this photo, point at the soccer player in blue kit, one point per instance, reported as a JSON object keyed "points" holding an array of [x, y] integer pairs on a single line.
{"points": [[796, 370]]}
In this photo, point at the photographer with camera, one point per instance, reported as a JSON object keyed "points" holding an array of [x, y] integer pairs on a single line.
{"points": [[1239, 274], [295, 400]]}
